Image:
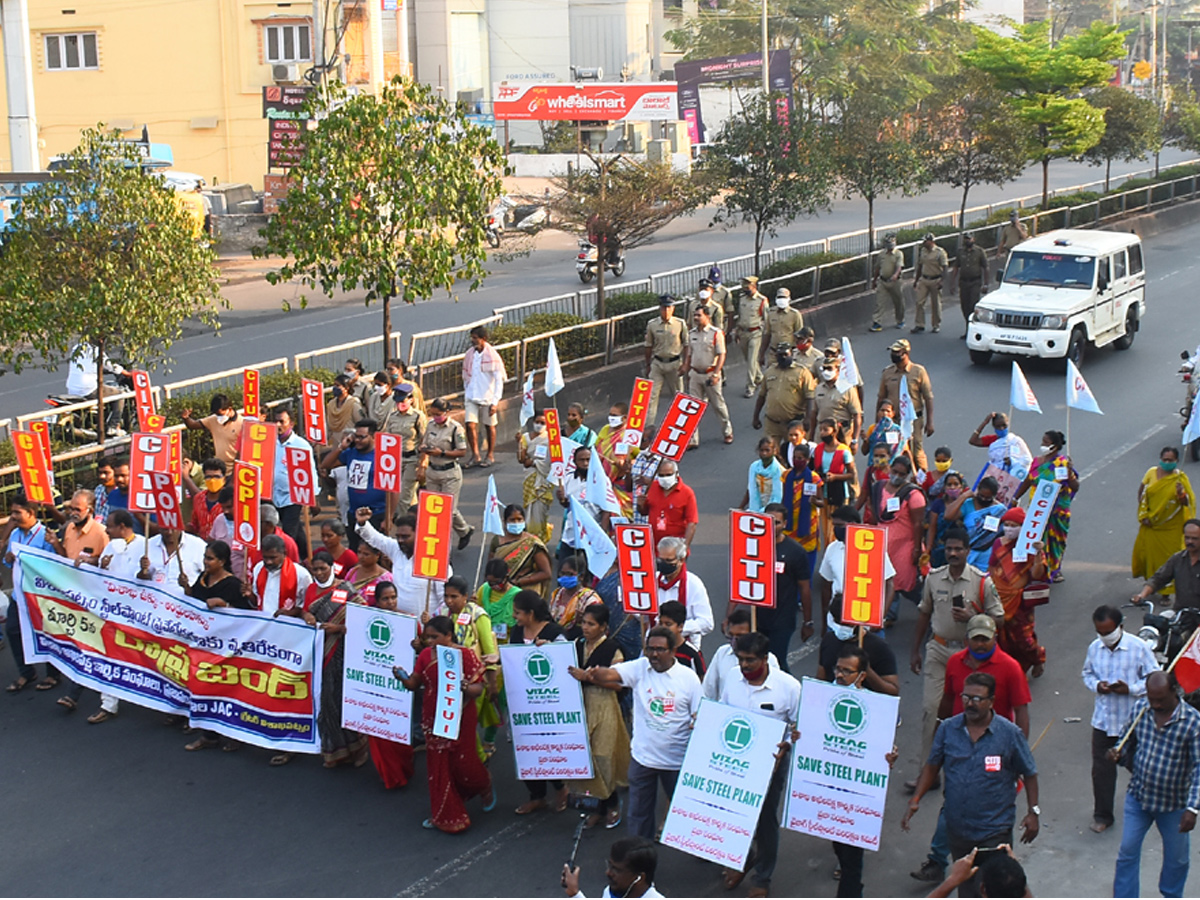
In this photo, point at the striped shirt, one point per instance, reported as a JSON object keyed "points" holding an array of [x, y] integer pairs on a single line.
{"points": [[1166, 760], [1130, 661]]}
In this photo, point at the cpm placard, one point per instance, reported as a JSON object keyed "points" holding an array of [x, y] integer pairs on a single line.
{"points": [[431, 548], [147, 453], [554, 446], [250, 393], [636, 562], [683, 418], [312, 394], [259, 440], [389, 457], [35, 474], [143, 398], [722, 784], [837, 786], [373, 701], [639, 405], [1041, 504], [864, 581], [545, 705], [301, 489], [245, 504], [751, 558]]}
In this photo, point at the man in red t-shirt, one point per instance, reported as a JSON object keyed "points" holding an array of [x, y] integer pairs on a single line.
{"points": [[982, 655], [670, 505]]}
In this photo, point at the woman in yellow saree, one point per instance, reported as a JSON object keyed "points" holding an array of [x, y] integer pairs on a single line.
{"points": [[1165, 502]]}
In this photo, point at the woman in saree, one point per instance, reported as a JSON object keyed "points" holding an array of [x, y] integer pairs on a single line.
{"points": [[369, 573], [393, 760], [524, 553], [1010, 577], [1165, 502], [533, 452], [617, 456], [607, 735], [979, 512], [571, 598], [325, 607], [1054, 465], [801, 501], [455, 772], [473, 630]]}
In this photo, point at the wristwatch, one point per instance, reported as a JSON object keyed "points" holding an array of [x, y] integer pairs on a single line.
{"points": [[1036, 810]]}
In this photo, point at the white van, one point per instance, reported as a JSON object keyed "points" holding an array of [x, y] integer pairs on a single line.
{"points": [[1061, 291]]}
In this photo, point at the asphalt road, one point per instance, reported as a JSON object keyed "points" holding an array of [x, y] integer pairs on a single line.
{"points": [[255, 328], [123, 810]]}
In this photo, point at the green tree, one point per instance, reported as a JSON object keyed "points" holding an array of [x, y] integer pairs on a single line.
{"points": [[974, 135], [622, 202], [770, 171], [1182, 125], [102, 254], [1044, 81], [1131, 128], [391, 195]]}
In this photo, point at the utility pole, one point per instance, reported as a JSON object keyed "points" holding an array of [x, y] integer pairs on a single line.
{"points": [[765, 64], [18, 77]]}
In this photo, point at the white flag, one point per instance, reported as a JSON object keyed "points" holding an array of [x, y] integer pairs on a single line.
{"points": [[527, 400], [1079, 395], [1020, 396], [493, 522], [1192, 431], [599, 489], [908, 412], [601, 551], [849, 375], [554, 375]]}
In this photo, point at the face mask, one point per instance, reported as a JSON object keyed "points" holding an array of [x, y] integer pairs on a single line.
{"points": [[1011, 531], [402, 406], [285, 433], [441, 420], [881, 463], [943, 466], [705, 294], [109, 481], [539, 427], [350, 373], [1046, 449], [515, 527], [829, 374], [1001, 432], [1168, 466], [951, 493], [339, 391], [382, 389], [982, 656], [568, 581], [222, 419], [615, 421], [840, 631], [666, 482], [896, 480], [755, 674], [1113, 638], [214, 484], [897, 358], [839, 533], [782, 303], [784, 360], [327, 582], [665, 568]]}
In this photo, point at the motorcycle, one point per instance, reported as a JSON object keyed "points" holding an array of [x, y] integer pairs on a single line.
{"points": [[528, 218], [493, 230], [1166, 632], [1191, 380], [585, 261], [78, 426]]}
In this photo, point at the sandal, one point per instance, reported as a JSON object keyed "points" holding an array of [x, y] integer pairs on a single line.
{"points": [[614, 818], [280, 759], [100, 716], [732, 878], [202, 743], [428, 823], [490, 804], [560, 802], [47, 684], [19, 685], [67, 703], [530, 806]]}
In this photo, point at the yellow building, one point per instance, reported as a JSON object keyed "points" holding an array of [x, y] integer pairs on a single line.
{"points": [[191, 71]]}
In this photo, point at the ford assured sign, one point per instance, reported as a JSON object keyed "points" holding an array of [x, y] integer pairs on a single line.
{"points": [[592, 102]]}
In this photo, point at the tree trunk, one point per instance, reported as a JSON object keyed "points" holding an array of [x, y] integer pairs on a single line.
{"points": [[1107, 172], [870, 233], [101, 428], [758, 242], [601, 251], [1045, 180], [387, 324], [962, 215]]}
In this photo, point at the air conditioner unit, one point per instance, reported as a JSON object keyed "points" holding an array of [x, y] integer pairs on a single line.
{"points": [[285, 73]]}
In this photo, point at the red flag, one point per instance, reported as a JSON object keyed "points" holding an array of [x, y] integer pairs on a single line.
{"points": [[1187, 665]]}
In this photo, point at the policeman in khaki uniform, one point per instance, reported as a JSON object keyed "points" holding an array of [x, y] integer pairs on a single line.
{"points": [[931, 265], [444, 444], [786, 394], [702, 363], [782, 324], [971, 272], [1011, 235], [889, 266], [920, 389], [953, 594], [751, 316], [806, 354], [719, 303], [844, 407], [402, 417], [666, 338]]}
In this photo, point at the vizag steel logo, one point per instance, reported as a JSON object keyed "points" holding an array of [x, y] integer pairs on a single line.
{"points": [[379, 633], [736, 736], [848, 717], [539, 670]]}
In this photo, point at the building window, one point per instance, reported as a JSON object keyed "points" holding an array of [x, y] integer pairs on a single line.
{"points": [[287, 43], [71, 51]]}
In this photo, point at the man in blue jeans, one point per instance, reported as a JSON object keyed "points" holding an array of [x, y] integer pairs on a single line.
{"points": [[1164, 756]]}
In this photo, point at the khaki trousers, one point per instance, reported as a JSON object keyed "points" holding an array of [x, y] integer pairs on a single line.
{"points": [[448, 482], [699, 387]]}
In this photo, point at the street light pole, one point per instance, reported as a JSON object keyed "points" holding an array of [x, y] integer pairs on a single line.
{"points": [[766, 68], [18, 77]]}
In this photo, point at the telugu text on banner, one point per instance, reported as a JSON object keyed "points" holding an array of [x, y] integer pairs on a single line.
{"points": [[373, 701], [545, 705]]}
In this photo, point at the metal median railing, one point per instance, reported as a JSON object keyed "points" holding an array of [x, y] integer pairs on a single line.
{"points": [[444, 342], [229, 378], [368, 351]]}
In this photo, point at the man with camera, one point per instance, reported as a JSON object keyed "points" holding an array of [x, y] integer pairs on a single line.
{"points": [[630, 871]]}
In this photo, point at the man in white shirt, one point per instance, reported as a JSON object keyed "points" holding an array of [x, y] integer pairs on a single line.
{"points": [[410, 592], [675, 582], [666, 698], [833, 563], [277, 583], [483, 383], [774, 693], [82, 379], [170, 554], [290, 518], [724, 665]]}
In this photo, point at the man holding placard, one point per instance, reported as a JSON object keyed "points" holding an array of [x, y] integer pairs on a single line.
{"points": [[290, 519]]}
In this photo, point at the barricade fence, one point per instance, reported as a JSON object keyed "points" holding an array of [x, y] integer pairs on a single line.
{"points": [[440, 353]]}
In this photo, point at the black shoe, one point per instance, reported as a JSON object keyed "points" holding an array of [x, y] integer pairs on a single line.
{"points": [[920, 329], [929, 872], [466, 539]]}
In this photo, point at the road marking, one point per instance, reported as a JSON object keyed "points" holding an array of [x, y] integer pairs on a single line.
{"points": [[1119, 452], [797, 656], [458, 865]]}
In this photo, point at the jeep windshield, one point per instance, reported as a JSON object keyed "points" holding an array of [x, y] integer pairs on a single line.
{"points": [[1051, 269]]}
